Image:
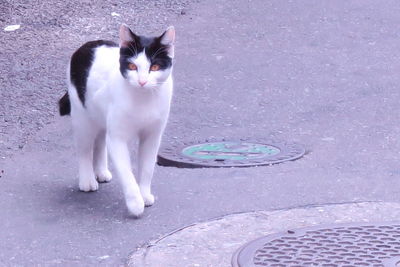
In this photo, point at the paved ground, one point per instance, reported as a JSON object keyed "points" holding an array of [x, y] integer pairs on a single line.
{"points": [[321, 74], [213, 243]]}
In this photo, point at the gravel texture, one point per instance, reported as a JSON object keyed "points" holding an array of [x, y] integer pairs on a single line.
{"points": [[33, 58]]}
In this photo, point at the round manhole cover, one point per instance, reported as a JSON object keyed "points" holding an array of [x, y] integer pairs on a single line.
{"points": [[228, 153], [339, 245]]}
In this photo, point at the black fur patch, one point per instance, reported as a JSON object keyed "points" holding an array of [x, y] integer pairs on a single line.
{"points": [[156, 52], [64, 105], [81, 62]]}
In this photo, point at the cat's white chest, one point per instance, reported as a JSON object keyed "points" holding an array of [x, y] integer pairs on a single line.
{"points": [[141, 110], [148, 112]]}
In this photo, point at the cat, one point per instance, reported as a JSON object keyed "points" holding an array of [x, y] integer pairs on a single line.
{"points": [[116, 93]]}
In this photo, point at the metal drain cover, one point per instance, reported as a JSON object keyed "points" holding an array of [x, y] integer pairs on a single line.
{"points": [[345, 245], [223, 153]]}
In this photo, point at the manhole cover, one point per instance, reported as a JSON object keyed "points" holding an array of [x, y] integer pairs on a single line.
{"points": [[223, 153], [346, 245]]}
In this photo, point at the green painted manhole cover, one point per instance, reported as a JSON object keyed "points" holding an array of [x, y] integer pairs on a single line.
{"points": [[228, 153]]}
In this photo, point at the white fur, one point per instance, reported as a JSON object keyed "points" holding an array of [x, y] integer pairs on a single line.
{"points": [[117, 110]]}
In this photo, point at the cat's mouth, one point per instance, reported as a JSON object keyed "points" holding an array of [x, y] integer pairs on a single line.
{"points": [[148, 86]]}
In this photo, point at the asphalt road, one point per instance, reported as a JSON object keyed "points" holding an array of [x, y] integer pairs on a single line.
{"points": [[324, 74]]}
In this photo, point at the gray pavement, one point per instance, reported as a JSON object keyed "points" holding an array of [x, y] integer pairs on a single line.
{"points": [[213, 243], [323, 74]]}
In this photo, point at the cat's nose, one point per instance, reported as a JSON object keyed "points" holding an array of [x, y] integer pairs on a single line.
{"points": [[142, 83]]}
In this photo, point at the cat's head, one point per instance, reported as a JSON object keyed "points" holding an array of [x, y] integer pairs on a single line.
{"points": [[146, 62]]}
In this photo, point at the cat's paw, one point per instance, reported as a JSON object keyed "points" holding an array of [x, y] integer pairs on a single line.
{"points": [[148, 199], [104, 176], [87, 185], [135, 206]]}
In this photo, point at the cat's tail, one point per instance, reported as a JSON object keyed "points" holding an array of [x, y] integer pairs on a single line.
{"points": [[64, 105]]}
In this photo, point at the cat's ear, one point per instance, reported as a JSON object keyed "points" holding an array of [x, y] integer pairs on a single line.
{"points": [[168, 39], [126, 36]]}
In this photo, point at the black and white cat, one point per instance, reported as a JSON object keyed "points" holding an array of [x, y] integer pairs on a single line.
{"points": [[116, 93]]}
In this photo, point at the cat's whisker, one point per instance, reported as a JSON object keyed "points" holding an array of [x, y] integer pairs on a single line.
{"points": [[132, 51], [158, 51], [135, 49]]}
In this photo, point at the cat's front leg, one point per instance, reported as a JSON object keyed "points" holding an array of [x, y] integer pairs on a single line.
{"points": [[148, 148], [119, 154]]}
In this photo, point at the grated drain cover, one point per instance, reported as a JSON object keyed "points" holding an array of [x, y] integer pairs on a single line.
{"points": [[346, 245], [225, 153]]}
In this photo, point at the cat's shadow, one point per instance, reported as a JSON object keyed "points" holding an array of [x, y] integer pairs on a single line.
{"points": [[105, 202]]}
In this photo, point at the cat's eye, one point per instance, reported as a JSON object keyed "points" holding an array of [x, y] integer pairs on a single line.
{"points": [[132, 66], [155, 67]]}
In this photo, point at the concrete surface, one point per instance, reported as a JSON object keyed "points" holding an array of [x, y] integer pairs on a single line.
{"points": [[213, 243], [324, 74]]}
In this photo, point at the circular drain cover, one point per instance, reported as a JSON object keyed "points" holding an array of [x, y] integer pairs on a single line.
{"points": [[223, 153], [339, 245]]}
